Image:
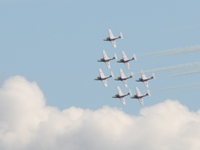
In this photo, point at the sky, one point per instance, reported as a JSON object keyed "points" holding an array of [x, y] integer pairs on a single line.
{"points": [[49, 51]]}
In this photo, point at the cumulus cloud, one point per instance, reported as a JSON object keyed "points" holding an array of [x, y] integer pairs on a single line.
{"points": [[27, 123]]}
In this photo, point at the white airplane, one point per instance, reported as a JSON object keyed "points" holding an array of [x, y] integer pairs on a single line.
{"points": [[126, 60], [140, 96], [123, 77], [106, 59], [103, 78], [112, 38], [145, 79], [121, 95]]}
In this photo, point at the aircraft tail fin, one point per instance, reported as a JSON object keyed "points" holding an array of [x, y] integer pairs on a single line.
{"points": [[132, 75], [153, 76], [134, 57], [121, 35], [115, 56], [130, 92], [148, 93], [111, 74]]}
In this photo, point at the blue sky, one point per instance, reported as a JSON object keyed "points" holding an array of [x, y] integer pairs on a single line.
{"points": [[49, 98], [57, 44]]}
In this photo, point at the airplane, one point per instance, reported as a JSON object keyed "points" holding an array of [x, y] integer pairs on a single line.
{"points": [[126, 60], [139, 96], [121, 95], [123, 77], [106, 59], [112, 38], [103, 78], [144, 79]]}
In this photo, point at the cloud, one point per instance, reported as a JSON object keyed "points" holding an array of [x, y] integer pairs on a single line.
{"points": [[27, 123]]}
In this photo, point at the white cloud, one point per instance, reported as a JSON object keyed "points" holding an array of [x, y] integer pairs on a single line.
{"points": [[26, 123]]}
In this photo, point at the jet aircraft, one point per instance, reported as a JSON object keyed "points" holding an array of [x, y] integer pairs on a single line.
{"points": [[112, 38], [139, 96], [126, 60], [103, 78], [106, 59], [120, 95], [123, 77], [145, 79]]}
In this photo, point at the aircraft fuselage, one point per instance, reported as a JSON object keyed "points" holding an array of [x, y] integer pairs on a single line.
{"points": [[111, 39], [123, 61], [120, 96], [138, 97], [99, 78]]}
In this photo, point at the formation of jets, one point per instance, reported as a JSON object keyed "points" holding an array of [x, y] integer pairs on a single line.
{"points": [[122, 76]]}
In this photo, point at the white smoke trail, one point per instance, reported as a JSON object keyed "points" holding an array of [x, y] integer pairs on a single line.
{"points": [[175, 30], [187, 87], [173, 52], [178, 67], [186, 73]]}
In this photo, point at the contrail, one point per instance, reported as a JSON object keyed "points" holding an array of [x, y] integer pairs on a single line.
{"points": [[178, 67], [186, 73], [186, 87], [173, 52]]}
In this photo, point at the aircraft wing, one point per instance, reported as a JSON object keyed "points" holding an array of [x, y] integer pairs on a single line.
{"points": [[143, 75], [124, 55], [110, 34], [108, 64], [105, 83], [146, 84], [101, 73], [138, 91], [141, 101], [123, 101], [125, 83], [119, 91], [122, 73], [104, 55], [127, 65], [114, 44]]}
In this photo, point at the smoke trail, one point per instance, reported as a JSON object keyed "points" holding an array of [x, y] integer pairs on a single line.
{"points": [[173, 52], [186, 73], [186, 87], [175, 30], [178, 67]]}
